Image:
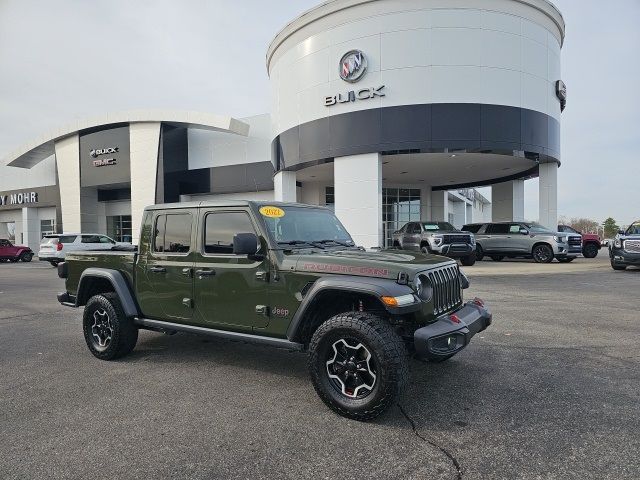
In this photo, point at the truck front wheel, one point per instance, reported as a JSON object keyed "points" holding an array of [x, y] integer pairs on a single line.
{"points": [[590, 250], [107, 330], [358, 364], [469, 260]]}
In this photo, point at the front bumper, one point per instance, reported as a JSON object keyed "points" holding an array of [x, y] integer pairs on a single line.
{"points": [[445, 337], [622, 257], [454, 250]]}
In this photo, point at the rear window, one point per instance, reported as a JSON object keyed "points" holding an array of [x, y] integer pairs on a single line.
{"points": [[58, 239], [173, 233]]}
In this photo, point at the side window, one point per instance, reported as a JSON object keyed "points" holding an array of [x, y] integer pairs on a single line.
{"points": [[220, 229], [90, 239], [514, 228], [4, 243], [414, 228], [104, 239], [67, 239], [472, 228], [172, 233], [498, 229]]}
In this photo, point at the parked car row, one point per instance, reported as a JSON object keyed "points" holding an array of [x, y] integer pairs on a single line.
{"points": [[497, 240]]}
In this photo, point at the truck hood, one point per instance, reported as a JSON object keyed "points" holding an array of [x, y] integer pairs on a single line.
{"points": [[382, 264]]}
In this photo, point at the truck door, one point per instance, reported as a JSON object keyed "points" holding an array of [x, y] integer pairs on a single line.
{"points": [[230, 290], [412, 236], [165, 267]]}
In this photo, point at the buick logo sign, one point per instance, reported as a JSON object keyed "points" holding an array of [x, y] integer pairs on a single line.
{"points": [[353, 66], [102, 151]]}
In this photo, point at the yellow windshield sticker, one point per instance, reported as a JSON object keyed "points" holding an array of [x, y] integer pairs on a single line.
{"points": [[272, 212]]}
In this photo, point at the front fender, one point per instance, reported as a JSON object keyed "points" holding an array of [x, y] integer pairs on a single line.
{"points": [[119, 283], [376, 287]]}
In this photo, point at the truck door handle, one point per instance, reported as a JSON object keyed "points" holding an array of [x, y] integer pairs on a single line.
{"points": [[205, 273], [158, 270], [186, 272]]}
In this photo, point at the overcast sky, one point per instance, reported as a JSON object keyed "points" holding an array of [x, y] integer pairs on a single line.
{"points": [[65, 60]]}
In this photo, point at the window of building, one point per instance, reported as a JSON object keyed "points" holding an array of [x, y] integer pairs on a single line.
{"points": [[329, 196], [220, 229], [399, 206], [47, 227], [173, 233], [119, 228]]}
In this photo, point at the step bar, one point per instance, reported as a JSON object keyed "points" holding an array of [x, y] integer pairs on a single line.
{"points": [[212, 332]]}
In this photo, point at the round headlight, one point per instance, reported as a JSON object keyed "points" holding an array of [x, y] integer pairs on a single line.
{"points": [[424, 290], [617, 242]]}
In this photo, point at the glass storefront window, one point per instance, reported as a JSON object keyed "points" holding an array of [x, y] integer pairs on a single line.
{"points": [[119, 228], [47, 227], [399, 206]]}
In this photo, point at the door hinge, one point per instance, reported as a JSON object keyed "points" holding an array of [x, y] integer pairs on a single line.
{"points": [[262, 310], [187, 302]]}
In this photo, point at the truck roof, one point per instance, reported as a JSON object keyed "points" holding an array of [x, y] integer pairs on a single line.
{"points": [[226, 203]]}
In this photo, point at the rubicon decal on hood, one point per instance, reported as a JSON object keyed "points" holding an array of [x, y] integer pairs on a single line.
{"points": [[327, 267]]}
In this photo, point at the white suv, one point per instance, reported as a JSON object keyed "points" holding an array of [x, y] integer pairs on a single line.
{"points": [[53, 248]]}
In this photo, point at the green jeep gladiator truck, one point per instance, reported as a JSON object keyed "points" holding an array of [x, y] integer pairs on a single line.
{"points": [[280, 274]]}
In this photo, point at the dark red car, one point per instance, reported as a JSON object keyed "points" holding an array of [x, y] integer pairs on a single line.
{"points": [[590, 241], [13, 253]]}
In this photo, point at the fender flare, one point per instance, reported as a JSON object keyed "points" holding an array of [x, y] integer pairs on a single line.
{"points": [[375, 287], [119, 283]]}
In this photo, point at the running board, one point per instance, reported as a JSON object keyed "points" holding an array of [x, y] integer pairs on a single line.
{"points": [[243, 337]]}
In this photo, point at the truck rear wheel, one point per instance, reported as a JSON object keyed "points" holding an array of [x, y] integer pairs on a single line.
{"points": [[358, 364], [107, 330], [26, 257]]}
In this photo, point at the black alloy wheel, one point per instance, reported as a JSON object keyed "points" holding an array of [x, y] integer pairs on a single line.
{"points": [[479, 252], [108, 332], [542, 254], [469, 260], [26, 256], [590, 250], [358, 364]]}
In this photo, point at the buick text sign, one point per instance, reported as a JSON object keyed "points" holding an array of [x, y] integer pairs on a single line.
{"points": [[104, 157], [354, 95]]}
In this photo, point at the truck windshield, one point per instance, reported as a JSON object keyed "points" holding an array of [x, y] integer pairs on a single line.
{"points": [[302, 226], [434, 226], [634, 229], [537, 228]]}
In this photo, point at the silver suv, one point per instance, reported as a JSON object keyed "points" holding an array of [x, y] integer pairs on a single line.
{"points": [[520, 239], [440, 238]]}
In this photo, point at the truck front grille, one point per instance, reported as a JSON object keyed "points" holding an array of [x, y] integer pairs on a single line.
{"points": [[446, 289], [632, 246], [575, 240], [449, 238]]}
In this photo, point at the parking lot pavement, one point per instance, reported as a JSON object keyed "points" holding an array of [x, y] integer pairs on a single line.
{"points": [[550, 390]]}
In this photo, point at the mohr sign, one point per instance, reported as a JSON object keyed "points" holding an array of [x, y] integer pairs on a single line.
{"points": [[19, 198]]}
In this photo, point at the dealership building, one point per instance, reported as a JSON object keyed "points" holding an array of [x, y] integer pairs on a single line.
{"points": [[385, 110]]}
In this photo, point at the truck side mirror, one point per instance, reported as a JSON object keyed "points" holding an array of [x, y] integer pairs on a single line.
{"points": [[245, 244], [620, 232], [524, 231]]}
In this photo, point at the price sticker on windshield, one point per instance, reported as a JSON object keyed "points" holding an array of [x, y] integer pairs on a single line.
{"points": [[272, 212]]}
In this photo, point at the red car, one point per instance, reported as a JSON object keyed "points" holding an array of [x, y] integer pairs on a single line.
{"points": [[13, 253], [590, 241]]}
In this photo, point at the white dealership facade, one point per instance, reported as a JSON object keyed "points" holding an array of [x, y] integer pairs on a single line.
{"points": [[387, 110]]}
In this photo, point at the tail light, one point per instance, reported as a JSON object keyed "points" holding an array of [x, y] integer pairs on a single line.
{"points": [[478, 302], [59, 246]]}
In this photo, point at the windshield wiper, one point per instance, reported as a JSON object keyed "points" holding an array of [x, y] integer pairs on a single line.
{"points": [[337, 242], [302, 242]]}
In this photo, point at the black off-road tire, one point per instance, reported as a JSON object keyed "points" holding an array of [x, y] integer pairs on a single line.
{"points": [[479, 253], [542, 253], [425, 250], [124, 333], [469, 260], [590, 251], [497, 258], [26, 257], [618, 267], [389, 360]]}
